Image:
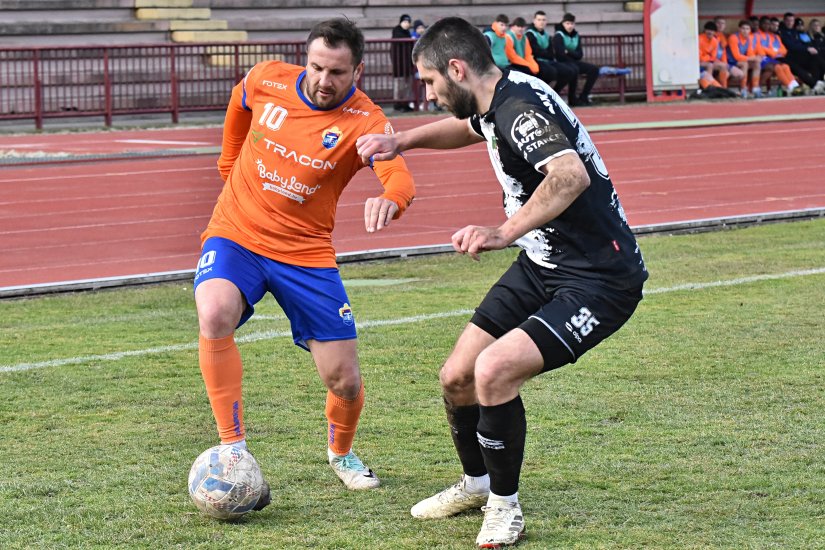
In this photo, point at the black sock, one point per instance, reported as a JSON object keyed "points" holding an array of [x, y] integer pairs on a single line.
{"points": [[502, 430], [463, 427]]}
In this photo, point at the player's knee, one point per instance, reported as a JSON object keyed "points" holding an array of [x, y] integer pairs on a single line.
{"points": [[455, 378], [215, 319], [344, 383], [488, 373]]}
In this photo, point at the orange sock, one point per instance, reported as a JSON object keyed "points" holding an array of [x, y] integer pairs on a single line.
{"points": [[342, 418], [783, 74], [222, 371], [754, 82], [723, 78]]}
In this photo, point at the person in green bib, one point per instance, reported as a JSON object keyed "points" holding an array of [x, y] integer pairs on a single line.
{"points": [[511, 50], [568, 48], [541, 44]]}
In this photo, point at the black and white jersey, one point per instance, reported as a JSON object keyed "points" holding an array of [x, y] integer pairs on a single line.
{"points": [[527, 126]]}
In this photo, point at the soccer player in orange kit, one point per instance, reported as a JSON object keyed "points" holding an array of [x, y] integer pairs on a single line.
{"points": [[288, 152]]}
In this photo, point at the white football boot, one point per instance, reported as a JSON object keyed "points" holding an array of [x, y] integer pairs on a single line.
{"points": [[352, 471], [449, 502], [503, 524]]}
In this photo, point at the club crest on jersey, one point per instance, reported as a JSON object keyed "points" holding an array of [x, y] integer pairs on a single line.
{"points": [[331, 137], [345, 312]]}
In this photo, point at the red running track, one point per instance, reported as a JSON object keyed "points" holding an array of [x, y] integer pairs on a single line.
{"points": [[69, 221]]}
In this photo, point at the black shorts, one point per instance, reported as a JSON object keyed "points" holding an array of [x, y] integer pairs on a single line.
{"points": [[564, 317]]}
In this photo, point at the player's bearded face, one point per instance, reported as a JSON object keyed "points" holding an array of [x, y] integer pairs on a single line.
{"points": [[330, 74], [462, 103]]}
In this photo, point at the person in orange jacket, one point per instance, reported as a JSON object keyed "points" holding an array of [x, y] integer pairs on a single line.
{"points": [[712, 59], [745, 52], [773, 62], [734, 72]]}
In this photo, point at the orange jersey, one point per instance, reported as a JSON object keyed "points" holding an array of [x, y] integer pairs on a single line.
{"points": [[742, 48], [710, 49], [286, 163], [771, 44], [723, 41]]}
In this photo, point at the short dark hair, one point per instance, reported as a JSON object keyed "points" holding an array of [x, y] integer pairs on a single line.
{"points": [[518, 22], [744, 22], [788, 14], [764, 18], [453, 38], [336, 31], [501, 18], [711, 26], [774, 20], [540, 12]]}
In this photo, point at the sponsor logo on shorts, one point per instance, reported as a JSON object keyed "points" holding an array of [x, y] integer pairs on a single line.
{"points": [[345, 312]]}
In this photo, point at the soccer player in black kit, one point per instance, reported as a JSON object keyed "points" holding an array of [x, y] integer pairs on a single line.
{"points": [[577, 280]]}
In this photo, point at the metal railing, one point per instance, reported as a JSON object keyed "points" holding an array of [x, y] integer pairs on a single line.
{"points": [[54, 82]]}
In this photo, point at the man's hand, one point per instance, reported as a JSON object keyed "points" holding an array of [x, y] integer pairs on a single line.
{"points": [[474, 239], [378, 212], [372, 147]]}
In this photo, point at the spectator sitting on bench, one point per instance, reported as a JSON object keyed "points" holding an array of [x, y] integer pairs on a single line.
{"points": [[512, 51], [745, 52], [568, 48], [542, 46], [722, 55], [712, 58], [803, 58], [815, 30], [772, 63]]}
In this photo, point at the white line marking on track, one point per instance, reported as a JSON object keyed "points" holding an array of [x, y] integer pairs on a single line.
{"points": [[270, 335], [162, 142]]}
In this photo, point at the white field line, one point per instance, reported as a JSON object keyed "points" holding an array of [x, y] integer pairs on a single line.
{"points": [[270, 335]]}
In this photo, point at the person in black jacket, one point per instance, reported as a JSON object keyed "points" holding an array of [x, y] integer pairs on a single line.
{"points": [[541, 42], [568, 48], [402, 67], [802, 53]]}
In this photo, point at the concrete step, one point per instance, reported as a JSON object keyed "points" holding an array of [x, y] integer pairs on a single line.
{"points": [[209, 36], [163, 3], [173, 13], [198, 25]]}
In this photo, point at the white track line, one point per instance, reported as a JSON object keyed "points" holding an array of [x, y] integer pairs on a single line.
{"points": [[270, 335]]}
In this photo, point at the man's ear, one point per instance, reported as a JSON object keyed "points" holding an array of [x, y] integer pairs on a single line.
{"points": [[457, 69], [359, 70]]}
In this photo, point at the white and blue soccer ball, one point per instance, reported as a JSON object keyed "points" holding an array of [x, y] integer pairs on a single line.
{"points": [[225, 482]]}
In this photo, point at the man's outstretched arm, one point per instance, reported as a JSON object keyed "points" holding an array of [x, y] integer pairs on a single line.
{"points": [[448, 133]]}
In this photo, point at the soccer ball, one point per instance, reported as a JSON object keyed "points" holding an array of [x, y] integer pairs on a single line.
{"points": [[225, 482]]}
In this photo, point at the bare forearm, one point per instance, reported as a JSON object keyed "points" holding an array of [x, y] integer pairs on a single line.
{"points": [[565, 180], [449, 133]]}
